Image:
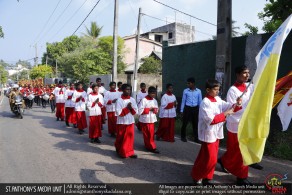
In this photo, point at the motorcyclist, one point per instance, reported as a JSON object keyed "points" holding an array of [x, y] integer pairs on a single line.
{"points": [[13, 93]]}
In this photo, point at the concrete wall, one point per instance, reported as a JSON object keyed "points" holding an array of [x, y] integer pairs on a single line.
{"points": [[198, 60], [182, 33]]}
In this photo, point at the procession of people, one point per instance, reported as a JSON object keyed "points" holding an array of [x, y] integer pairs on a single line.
{"points": [[116, 106]]}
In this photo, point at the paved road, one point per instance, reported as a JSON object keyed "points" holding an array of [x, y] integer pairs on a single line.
{"points": [[38, 149]]}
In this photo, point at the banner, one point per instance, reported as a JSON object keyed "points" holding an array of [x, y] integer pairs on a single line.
{"points": [[285, 110], [282, 87], [254, 125]]}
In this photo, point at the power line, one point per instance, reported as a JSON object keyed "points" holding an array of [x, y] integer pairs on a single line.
{"points": [[56, 20], [69, 19], [156, 18], [185, 13], [48, 20], [86, 17], [170, 23]]}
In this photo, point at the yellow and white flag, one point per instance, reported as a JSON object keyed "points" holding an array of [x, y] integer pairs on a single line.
{"points": [[254, 125], [285, 110]]}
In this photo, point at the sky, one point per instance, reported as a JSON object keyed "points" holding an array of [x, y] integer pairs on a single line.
{"points": [[30, 24]]}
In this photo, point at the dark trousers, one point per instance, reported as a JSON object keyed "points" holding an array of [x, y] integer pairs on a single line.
{"points": [[29, 103], [53, 105], [190, 114], [44, 103]]}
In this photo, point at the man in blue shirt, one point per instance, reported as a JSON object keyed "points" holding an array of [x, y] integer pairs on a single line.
{"points": [[191, 99]]}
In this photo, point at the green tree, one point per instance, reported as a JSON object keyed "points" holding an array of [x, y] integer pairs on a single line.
{"points": [[4, 64], [3, 75], [252, 30], [106, 44], [57, 49], [94, 30], [275, 13], [1, 32], [150, 65], [41, 71], [86, 60]]}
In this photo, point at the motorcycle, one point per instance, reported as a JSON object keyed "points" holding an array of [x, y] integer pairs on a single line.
{"points": [[17, 108]]}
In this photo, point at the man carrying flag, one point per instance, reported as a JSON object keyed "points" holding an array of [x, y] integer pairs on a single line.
{"points": [[254, 126]]}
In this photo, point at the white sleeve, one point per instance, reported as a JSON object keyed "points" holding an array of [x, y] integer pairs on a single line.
{"points": [[164, 101]]}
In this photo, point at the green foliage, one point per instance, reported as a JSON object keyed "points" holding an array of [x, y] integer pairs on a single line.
{"points": [[106, 45], [94, 31], [3, 75], [275, 13], [1, 32], [57, 49], [41, 71], [4, 64], [252, 30], [150, 65], [78, 58]]}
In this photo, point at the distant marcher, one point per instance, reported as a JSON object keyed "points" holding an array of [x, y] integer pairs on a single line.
{"points": [[110, 99], [70, 114], [80, 99], [147, 110], [59, 93], [95, 103], [167, 115]]}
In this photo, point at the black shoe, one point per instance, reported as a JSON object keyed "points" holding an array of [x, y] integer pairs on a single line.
{"points": [[242, 181], [113, 135], [80, 132], [67, 124], [221, 165], [91, 140], [157, 138], [75, 125], [155, 151], [256, 166], [206, 182], [96, 140], [62, 119], [58, 119], [184, 139], [134, 156]]}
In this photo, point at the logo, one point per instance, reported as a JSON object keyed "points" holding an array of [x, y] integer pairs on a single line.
{"points": [[274, 183], [290, 98]]}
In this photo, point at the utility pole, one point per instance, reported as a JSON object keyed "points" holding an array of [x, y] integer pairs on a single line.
{"points": [[46, 60], [223, 46], [115, 36], [134, 89], [56, 68], [36, 55]]}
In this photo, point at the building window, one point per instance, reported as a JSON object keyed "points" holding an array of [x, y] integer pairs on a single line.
{"points": [[170, 35], [158, 38]]}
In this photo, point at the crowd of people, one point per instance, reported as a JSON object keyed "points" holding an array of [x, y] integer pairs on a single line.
{"points": [[116, 106]]}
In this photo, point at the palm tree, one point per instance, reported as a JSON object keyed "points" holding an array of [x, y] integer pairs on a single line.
{"points": [[94, 30]]}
